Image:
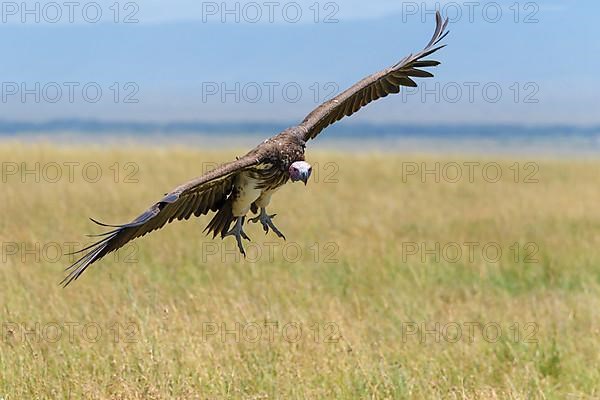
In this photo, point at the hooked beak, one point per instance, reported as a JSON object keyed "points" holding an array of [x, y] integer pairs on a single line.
{"points": [[305, 178]]}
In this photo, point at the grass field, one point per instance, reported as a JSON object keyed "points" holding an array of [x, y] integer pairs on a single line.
{"points": [[387, 287]]}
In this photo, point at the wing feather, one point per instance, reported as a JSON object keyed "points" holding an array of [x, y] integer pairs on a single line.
{"points": [[374, 87], [198, 197]]}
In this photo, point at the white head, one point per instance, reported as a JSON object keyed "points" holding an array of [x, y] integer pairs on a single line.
{"points": [[300, 171]]}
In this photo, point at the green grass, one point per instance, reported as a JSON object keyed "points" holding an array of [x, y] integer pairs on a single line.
{"points": [[353, 290]]}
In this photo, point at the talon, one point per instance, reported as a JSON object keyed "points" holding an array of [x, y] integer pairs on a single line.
{"points": [[246, 236], [238, 233], [266, 222], [277, 232]]}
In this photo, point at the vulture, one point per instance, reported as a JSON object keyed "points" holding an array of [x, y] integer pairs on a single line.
{"points": [[248, 183]]}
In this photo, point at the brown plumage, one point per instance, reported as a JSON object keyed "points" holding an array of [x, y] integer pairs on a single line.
{"points": [[247, 183]]}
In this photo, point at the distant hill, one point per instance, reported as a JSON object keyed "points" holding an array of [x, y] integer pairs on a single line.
{"points": [[362, 130]]}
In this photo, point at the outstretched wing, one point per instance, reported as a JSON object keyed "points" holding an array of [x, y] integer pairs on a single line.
{"points": [[196, 197], [374, 87]]}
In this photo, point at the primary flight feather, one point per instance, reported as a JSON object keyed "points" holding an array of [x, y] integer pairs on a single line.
{"points": [[247, 184]]}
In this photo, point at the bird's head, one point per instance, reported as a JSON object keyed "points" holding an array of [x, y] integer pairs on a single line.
{"points": [[300, 171]]}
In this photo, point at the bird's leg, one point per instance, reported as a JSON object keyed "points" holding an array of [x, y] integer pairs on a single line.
{"points": [[238, 233], [266, 221]]}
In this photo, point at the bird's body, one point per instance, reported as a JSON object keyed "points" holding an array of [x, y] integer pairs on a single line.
{"points": [[248, 183], [253, 187]]}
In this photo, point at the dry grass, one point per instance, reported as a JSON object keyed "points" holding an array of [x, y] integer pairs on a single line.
{"points": [[363, 303]]}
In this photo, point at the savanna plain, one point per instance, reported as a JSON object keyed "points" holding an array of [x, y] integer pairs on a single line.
{"points": [[394, 282]]}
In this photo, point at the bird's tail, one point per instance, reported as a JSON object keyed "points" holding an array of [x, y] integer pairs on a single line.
{"points": [[220, 223]]}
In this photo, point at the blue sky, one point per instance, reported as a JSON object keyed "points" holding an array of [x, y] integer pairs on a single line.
{"points": [[516, 62]]}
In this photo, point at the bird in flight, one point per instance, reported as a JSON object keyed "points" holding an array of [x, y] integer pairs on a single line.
{"points": [[248, 183]]}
